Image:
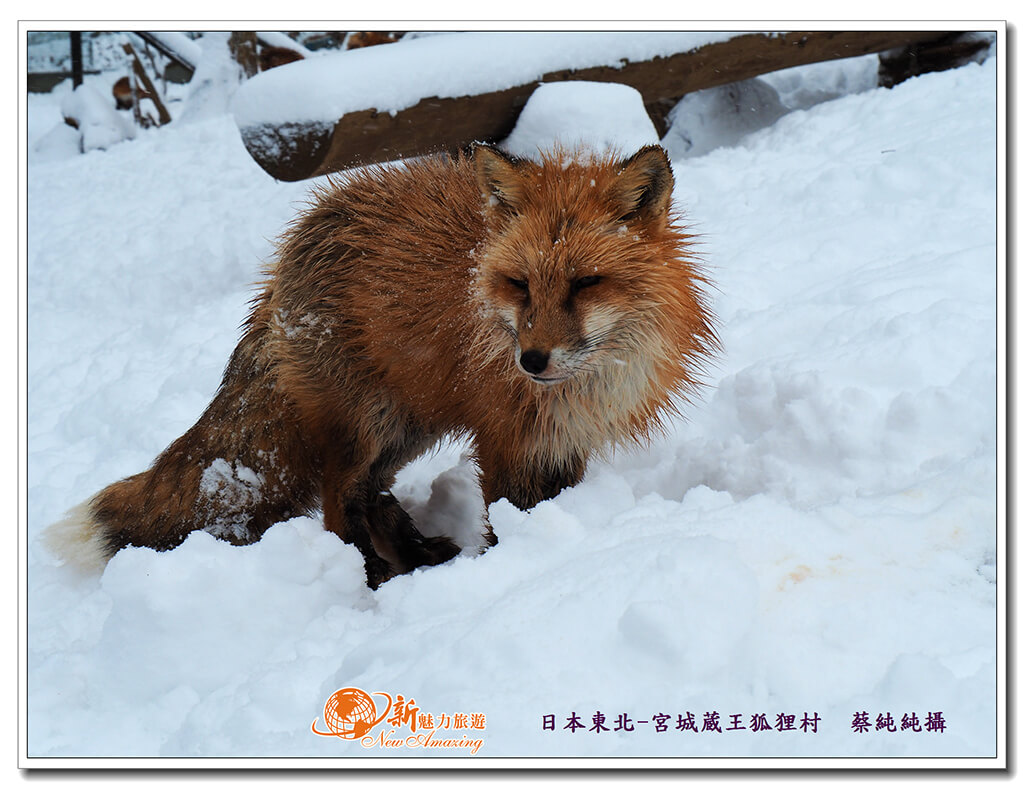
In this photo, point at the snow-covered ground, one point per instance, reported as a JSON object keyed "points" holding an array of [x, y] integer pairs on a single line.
{"points": [[817, 539]]}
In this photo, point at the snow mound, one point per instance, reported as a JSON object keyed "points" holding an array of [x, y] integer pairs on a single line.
{"points": [[721, 117], [215, 81], [598, 116], [99, 125]]}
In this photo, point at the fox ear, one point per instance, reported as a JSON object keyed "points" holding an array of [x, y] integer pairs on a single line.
{"points": [[498, 176], [643, 188]]}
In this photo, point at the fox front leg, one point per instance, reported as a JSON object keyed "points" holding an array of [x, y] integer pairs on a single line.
{"points": [[525, 484], [397, 540]]}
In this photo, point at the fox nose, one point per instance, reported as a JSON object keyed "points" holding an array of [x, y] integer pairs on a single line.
{"points": [[533, 361]]}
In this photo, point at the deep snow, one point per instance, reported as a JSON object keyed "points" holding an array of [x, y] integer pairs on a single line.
{"points": [[818, 536]]}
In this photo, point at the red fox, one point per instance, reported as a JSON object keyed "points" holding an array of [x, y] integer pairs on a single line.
{"points": [[546, 310], [122, 92]]}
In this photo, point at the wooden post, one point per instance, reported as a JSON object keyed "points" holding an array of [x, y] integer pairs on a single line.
{"points": [[76, 58], [245, 51]]}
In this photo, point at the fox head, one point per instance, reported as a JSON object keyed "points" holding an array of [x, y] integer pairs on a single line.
{"points": [[579, 260]]}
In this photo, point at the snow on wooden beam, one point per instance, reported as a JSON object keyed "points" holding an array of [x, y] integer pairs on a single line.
{"points": [[176, 46], [294, 150]]}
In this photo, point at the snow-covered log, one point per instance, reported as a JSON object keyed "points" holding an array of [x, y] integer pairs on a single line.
{"points": [[443, 92]]}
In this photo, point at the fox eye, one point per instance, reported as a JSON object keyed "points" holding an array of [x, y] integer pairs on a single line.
{"points": [[585, 282], [521, 284]]}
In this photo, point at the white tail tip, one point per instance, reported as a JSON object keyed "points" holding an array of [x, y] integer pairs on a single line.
{"points": [[77, 539]]}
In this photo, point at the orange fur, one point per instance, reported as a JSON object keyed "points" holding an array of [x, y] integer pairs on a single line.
{"points": [[122, 92], [547, 311]]}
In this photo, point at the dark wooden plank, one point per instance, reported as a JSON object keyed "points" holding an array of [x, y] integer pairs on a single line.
{"points": [[951, 51], [293, 152]]}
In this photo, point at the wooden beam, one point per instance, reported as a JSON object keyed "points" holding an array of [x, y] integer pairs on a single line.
{"points": [[292, 152], [171, 54], [151, 92]]}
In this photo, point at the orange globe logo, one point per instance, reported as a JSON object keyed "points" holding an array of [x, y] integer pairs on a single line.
{"points": [[350, 713]]}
